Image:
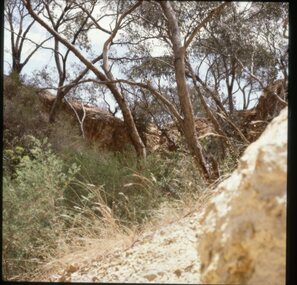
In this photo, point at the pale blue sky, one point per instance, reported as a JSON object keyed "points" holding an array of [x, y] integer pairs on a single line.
{"points": [[45, 57]]}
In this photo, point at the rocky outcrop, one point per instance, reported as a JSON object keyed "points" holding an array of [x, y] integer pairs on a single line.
{"points": [[170, 138], [243, 233], [252, 122], [100, 128], [109, 132]]}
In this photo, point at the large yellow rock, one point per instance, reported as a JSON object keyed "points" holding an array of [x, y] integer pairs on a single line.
{"points": [[243, 234]]}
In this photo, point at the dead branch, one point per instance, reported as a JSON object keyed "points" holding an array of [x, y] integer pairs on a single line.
{"points": [[81, 121]]}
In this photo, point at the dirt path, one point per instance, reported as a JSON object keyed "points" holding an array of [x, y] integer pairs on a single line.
{"points": [[167, 255]]}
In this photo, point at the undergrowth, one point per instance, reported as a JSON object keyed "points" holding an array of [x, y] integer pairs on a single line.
{"points": [[32, 199], [59, 193], [54, 200]]}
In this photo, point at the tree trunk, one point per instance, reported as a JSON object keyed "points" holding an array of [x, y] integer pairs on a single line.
{"points": [[128, 119], [230, 99], [17, 67], [226, 142], [55, 107], [196, 151], [188, 123], [129, 122], [230, 87]]}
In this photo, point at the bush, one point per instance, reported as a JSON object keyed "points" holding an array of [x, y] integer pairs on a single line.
{"points": [[31, 208], [25, 114], [131, 192], [124, 188]]}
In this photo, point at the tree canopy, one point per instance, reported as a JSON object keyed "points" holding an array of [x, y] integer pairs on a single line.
{"points": [[160, 61]]}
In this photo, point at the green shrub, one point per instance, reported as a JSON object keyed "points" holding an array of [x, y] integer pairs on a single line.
{"points": [[124, 188], [229, 163], [25, 114], [130, 191], [31, 209]]}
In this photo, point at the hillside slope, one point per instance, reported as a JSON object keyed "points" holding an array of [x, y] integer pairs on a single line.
{"points": [[227, 241]]}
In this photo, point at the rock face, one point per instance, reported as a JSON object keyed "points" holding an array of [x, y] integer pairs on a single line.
{"points": [[243, 234], [101, 128], [252, 122]]}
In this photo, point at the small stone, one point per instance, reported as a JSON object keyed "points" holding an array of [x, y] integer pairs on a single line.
{"points": [[188, 268], [178, 272], [150, 277], [64, 278], [72, 268]]}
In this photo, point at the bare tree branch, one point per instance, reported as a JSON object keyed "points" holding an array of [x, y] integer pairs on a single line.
{"points": [[148, 87], [249, 73], [93, 19], [216, 11], [80, 120], [108, 42], [235, 127], [128, 118]]}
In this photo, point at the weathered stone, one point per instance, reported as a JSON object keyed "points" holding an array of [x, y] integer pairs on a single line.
{"points": [[100, 127], [243, 234]]}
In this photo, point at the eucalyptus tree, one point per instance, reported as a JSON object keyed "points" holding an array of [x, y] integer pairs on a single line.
{"points": [[68, 20], [236, 54], [273, 27], [244, 51], [179, 47], [240, 52], [124, 17], [174, 35], [19, 23], [167, 50], [103, 73]]}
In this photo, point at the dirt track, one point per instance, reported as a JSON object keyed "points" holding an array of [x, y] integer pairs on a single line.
{"points": [[167, 255]]}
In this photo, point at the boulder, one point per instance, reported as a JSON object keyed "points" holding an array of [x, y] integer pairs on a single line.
{"points": [[243, 228]]}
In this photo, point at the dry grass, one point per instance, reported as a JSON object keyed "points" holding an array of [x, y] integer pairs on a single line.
{"points": [[82, 251], [95, 231], [91, 236], [77, 256]]}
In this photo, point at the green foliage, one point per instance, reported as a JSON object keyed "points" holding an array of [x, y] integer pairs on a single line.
{"points": [[131, 190], [214, 146], [175, 175], [22, 112], [125, 189], [230, 162], [30, 207], [228, 165], [49, 200], [79, 190], [12, 158], [153, 67]]}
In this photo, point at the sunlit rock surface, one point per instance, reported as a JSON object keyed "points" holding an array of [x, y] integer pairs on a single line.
{"points": [[243, 232], [101, 128]]}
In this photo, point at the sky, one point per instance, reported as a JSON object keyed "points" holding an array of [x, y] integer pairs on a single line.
{"points": [[45, 57]]}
